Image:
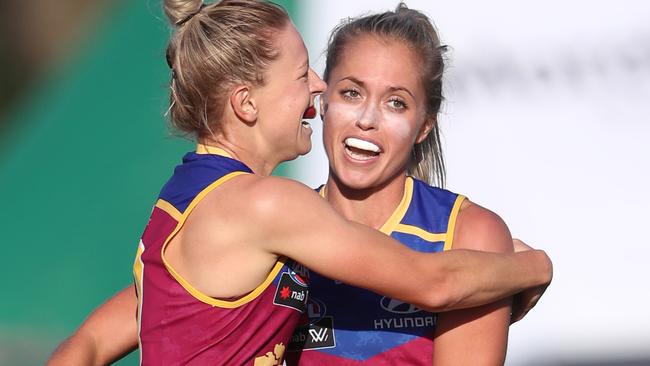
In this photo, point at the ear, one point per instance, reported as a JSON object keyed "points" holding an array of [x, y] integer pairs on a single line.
{"points": [[427, 126], [243, 104]]}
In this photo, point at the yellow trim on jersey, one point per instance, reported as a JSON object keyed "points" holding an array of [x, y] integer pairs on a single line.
{"points": [[138, 271], [224, 303], [323, 191], [414, 230], [138, 266], [188, 287], [170, 209], [400, 211], [451, 225], [206, 149]]}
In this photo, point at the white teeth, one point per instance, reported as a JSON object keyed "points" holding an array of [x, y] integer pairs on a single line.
{"points": [[358, 156], [362, 144]]}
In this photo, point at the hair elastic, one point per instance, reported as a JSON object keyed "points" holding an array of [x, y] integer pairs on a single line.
{"points": [[187, 18]]}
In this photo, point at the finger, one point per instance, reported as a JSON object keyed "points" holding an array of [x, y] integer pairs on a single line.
{"points": [[520, 246], [523, 309]]}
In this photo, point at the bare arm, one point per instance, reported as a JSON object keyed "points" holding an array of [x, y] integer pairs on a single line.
{"points": [[290, 219], [524, 301], [476, 336], [294, 221], [108, 334]]}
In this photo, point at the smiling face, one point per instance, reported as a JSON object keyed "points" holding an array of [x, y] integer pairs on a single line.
{"points": [[374, 112], [288, 92]]}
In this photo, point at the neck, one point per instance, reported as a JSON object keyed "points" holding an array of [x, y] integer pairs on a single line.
{"points": [[370, 206], [252, 158]]}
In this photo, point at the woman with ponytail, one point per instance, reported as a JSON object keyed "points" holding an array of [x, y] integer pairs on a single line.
{"points": [[222, 270], [382, 141]]}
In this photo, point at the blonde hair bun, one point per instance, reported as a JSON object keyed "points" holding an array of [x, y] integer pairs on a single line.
{"points": [[178, 11]]}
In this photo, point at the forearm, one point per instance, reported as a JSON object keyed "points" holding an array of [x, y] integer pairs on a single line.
{"points": [[476, 278], [82, 349], [78, 349], [108, 334]]}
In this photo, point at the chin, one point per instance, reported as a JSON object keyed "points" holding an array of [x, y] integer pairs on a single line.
{"points": [[356, 181], [303, 150]]}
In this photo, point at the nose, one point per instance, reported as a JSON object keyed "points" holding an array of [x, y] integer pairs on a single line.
{"points": [[367, 119], [316, 84]]}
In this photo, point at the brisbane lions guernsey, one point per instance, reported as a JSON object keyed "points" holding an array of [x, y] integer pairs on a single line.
{"points": [[179, 325], [346, 325]]}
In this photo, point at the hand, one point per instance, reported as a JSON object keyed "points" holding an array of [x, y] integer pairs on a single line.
{"points": [[520, 246], [524, 301]]}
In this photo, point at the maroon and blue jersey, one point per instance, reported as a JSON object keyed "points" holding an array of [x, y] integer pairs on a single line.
{"points": [[346, 325], [180, 325]]}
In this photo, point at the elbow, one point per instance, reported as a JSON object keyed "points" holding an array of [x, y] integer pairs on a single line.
{"points": [[443, 290], [438, 303], [544, 268], [547, 269], [441, 298]]}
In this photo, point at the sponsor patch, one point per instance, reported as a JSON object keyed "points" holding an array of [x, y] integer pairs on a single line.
{"points": [[316, 310], [291, 293], [428, 321], [299, 272], [316, 335], [398, 307], [297, 278]]}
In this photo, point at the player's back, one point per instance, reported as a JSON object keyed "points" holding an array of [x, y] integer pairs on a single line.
{"points": [[179, 324]]}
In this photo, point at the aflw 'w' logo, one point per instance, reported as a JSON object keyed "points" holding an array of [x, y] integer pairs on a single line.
{"points": [[318, 335]]}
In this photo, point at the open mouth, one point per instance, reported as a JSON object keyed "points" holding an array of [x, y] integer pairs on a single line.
{"points": [[310, 113], [361, 149]]}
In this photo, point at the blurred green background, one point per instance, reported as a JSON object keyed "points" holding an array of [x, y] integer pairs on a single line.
{"points": [[84, 151]]}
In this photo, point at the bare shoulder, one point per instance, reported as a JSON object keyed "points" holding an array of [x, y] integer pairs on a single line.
{"points": [[275, 195], [258, 193], [478, 228], [278, 188], [273, 201]]}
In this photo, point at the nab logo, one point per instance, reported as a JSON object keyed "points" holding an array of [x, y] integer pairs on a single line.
{"points": [[397, 307], [291, 293]]}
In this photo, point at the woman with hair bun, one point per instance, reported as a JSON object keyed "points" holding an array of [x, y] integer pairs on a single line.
{"points": [[222, 270]]}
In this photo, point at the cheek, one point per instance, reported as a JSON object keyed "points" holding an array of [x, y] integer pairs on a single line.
{"points": [[402, 129], [337, 117]]}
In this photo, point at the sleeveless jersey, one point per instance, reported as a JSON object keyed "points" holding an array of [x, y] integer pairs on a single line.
{"points": [[180, 325], [346, 325]]}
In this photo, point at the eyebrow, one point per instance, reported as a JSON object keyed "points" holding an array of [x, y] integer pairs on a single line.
{"points": [[390, 88], [304, 65], [398, 88]]}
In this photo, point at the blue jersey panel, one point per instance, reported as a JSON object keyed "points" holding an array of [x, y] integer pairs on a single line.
{"points": [[196, 173], [353, 324], [430, 207]]}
